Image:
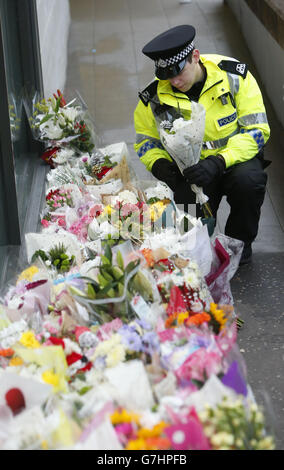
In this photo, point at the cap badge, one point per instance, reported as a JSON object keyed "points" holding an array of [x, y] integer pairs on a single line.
{"points": [[162, 63]]}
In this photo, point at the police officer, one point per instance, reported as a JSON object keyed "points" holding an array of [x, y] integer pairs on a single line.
{"points": [[236, 129]]}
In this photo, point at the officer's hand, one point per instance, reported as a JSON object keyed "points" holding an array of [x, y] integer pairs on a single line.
{"points": [[167, 172], [205, 171]]}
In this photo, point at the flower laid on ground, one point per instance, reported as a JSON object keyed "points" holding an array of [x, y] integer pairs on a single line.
{"points": [[114, 280], [99, 170], [58, 198], [56, 120], [134, 436], [233, 426], [55, 258], [29, 340]]}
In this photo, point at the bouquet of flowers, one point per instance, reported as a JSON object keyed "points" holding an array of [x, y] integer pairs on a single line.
{"points": [[59, 123], [128, 216], [114, 163], [107, 297], [183, 140]]}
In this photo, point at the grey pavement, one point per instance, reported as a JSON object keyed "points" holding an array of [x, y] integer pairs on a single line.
{"points": [[106, 66]]}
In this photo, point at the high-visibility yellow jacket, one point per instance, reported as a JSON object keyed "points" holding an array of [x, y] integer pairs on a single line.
{"points": [[236, 124]]}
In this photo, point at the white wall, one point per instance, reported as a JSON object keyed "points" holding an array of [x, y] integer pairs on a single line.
{"points": [[53, 21], [268, 55]]}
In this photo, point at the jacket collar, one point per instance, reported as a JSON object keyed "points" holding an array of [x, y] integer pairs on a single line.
{"points": [[214, 76]]}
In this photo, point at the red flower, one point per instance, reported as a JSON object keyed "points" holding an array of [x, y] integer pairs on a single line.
{"points": [[57, 341], [51, 194], [73, 357], [15, 400], [62, 100], [103, 172], [87, 367], [47, 156]]}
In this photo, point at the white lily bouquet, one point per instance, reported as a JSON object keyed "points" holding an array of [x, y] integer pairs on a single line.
{"points": [[61, 124], [183, 140]]}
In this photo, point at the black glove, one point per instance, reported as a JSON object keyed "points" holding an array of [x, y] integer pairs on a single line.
{"points": [[205, 171], [167, 171]]}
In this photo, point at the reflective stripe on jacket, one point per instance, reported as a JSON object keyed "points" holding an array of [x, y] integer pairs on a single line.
{"points": [[236, 125]]}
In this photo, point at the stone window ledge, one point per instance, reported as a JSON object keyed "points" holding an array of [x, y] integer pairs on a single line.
{"points": [[271, 15]]}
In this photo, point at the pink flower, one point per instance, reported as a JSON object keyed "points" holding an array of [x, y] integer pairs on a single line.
{"points": [[95, 210], [199, 366], [45, 223], [166, 335], [124, 432], [107, 329], [127, 209], [50, 328], [61, 222]]}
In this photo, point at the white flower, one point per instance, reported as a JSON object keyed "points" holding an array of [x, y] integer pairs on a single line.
{"points": [[63, 155], [71, 346], [192, 280], [161, 191], [70, 113], [61, 120], [126, 197], [106, 228], [222, 439], [51, 131]]}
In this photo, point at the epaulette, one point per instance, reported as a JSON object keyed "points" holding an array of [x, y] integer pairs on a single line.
{"points": [[235, 67], [149, 92]]}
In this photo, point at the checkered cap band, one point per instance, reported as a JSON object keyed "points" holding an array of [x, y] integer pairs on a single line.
{"points": [[175, 59]]}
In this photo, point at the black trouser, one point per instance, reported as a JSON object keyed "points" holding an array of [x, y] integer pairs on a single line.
{"points": [[244, 186]]}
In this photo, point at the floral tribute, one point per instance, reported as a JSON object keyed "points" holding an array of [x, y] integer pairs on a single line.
{"points": [[111, 338]]}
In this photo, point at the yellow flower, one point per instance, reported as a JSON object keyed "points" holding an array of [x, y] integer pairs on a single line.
{"points": [[28, 274], [115, 356], [107, 210], [156, 210], [112, 349], [154, 432], [51, 378], [29, 340], [124, 416], [218, 314], [181, 317], [137, 444], [16, 361]]}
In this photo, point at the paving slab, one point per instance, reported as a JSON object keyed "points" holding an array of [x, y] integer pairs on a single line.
{"points": [[258, 291]]}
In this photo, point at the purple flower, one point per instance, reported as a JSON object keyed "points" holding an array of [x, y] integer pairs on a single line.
{"points": [[150, 343], [130, 337], [131, 340]]}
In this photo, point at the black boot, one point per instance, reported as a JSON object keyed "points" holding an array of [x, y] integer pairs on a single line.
{"points": [[246, 255]]}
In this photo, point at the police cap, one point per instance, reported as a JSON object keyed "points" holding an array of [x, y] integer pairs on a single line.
{"points": [[170, 49]]}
